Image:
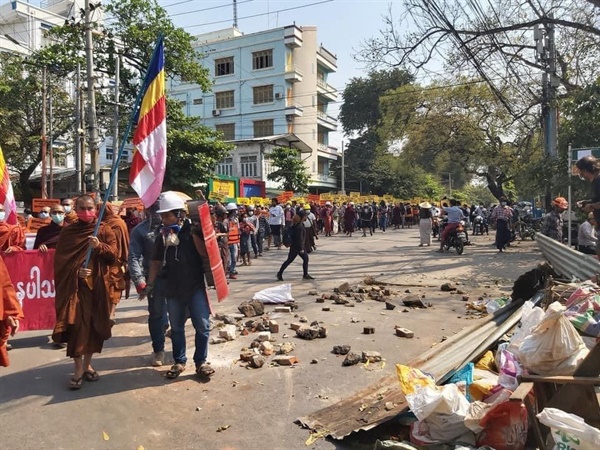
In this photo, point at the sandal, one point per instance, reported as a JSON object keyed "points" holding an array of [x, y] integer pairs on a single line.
{"points": [[175, 371], [76, 383], [91, 375], [205, 370]]}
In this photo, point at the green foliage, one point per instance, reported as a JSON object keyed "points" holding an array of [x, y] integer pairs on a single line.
{"points": [[290, 170], [193, 150], [21, 115]]}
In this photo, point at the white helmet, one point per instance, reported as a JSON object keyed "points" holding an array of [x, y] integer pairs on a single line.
{"points": [[170, 201], [231, 207]]}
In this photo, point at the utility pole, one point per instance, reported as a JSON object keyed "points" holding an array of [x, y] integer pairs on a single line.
{"points": [[343, 169], [235, 14], [44, 142], [546, 55], [115, 143], [81, 137], [78, 162], [92, 122], [51, 134]]}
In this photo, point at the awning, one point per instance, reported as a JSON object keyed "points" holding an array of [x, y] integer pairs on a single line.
{"points": [[280, 140]]}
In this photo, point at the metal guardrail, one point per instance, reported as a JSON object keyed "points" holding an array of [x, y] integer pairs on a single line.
{"points": [[566, 261]]}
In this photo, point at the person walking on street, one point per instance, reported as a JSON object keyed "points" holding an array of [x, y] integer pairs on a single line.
{"points": [[366, 216], [233, 239], [502, 215], [141, 245], [298, 238], [177, 260], [82, 299], [425, 223], [276, 222]]}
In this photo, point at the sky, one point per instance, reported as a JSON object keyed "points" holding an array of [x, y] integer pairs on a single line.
{"points": [[342, 25]]}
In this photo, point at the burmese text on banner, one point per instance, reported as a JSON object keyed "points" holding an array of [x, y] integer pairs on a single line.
{"points": [[32, 274], [7, 197], [150, 136]]}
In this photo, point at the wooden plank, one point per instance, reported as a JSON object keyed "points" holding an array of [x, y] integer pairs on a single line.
{"points": [[521, 392], [562, 379]]}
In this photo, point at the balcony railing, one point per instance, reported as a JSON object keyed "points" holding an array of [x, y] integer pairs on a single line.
{"points": [[327, 56]]}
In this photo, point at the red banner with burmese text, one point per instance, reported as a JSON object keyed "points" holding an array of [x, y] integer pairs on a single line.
{"points": [[32, 275]]}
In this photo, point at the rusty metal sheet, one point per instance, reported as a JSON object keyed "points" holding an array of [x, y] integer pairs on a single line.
{"points": [[366, 409]]}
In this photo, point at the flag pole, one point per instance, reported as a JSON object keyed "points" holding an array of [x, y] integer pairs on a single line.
{"points": [[114, 174]]}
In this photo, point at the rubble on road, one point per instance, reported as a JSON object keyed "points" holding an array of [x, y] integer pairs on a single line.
{"points": [[252, 308], [404, 332], [351, 359], [285, 360], [341, 349]]}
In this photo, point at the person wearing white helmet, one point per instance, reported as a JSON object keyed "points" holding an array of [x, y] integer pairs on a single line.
{"points": [[177, 260], [233, 238]]}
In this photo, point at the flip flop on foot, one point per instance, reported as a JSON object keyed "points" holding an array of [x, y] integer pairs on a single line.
{"points": [[204, 370], [175, 371], [91, 375], [76, 383]]}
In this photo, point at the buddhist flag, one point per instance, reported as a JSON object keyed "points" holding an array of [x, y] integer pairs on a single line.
{"points": [[7, 197], [150, 136]]}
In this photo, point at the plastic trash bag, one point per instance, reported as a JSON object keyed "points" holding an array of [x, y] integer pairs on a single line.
{"points": [[554, 347], [505, 427], [441, 411], [509, 369], [412, 379], [530, 318], [478, 410], [463, 379], [483, 383], [487, 362], [569, 431], [275, 295]]}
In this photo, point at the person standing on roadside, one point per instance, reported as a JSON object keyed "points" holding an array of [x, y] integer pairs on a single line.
{"points": [[177, 261], [70, 214], [10, 313], [552, 224], [253, 220], [233, 238], [276, 222], [425, 223], [297, 246], [589, 170], [141, 245], [82, 299], [12, 237], [47, 236], [587, 239]]}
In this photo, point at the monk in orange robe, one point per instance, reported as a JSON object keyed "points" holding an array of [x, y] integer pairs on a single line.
{"points": [[10, 312], [118, 271], [12, 237], [70, 214], [82, 294]]}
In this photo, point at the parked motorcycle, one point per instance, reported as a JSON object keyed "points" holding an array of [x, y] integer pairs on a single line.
{"points": [[435, 227], [525, 228], [457, 239]]}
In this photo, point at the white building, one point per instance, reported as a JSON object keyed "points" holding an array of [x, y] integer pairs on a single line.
{"points": [[267, 85]]}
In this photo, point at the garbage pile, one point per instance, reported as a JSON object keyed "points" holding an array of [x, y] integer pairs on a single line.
{"points": [[474, 408]]}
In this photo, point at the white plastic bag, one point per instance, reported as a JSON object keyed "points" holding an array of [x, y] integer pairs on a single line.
{"points": [[554, 347], [274, 295], [443, 408], [569, 431], [531, 318]]}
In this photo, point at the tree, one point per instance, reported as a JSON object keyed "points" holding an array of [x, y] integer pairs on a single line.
{"points": [[290, 170], [21, 116], [131, 30]]}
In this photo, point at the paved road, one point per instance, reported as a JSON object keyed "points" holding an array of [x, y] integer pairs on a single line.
{"points": [[137, 407]]}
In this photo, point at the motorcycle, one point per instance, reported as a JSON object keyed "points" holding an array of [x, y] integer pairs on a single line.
{"points": [[457, 239], [480, 226], [441, 225], [525, 228], [435, 227]]}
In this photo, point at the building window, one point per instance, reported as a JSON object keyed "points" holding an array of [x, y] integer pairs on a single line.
{"points": [[263, 94], [262, 59], [263, 128], [224, 66], [197, 101], [225, 167], [224, 100], [322, 138], [249, 166], [228, 130]]}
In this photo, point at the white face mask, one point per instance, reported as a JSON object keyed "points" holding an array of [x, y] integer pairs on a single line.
{"points": [[67, 209], [44, 215], [503, 203], [2, 216]]}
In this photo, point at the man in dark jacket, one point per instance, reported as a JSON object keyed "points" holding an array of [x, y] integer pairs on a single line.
{"points": [[297, 248], [177, 260]]}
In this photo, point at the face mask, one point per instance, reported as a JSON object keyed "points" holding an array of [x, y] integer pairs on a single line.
{"points": [[245, 219], [44, 215], [176, 228], [67, 209], [58, 218], [503, 203], [86, 216], [2, 215], [251, 213], [581, 177]]}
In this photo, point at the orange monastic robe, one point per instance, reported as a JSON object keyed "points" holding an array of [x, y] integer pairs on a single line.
{"points": [[11, 236], [9, 307]]}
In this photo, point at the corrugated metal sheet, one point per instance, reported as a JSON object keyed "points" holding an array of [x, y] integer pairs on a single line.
{"points": [[566, 261], [366, 409]]}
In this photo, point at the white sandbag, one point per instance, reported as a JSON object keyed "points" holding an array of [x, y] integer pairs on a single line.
{"points": [[569, 431], [275, 295], [554, 347], [531, 318]]}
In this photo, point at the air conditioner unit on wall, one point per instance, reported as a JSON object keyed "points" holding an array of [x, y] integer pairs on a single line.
{"points": [[216, 112], [277, 95]]}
